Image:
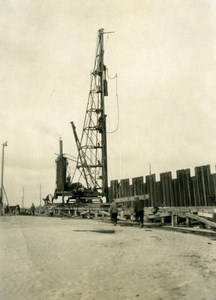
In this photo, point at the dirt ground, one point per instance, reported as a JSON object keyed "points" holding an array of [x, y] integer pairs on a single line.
{"points": [[53, 258]]}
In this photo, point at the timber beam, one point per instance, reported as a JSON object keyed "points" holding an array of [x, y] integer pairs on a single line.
{"points": [[132, 198]]}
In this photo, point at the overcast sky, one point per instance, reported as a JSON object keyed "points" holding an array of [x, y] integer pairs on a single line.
{"points": [[164, 53]]}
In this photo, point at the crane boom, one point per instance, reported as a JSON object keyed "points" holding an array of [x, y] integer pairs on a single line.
{"points": [[81, 157]]}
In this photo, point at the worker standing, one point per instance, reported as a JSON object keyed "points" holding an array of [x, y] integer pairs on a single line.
{"points": [[32, 209], [139, 210], [114, 212]]}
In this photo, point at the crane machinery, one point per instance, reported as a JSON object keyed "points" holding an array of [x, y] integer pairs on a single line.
{"points": [[92, 146]]}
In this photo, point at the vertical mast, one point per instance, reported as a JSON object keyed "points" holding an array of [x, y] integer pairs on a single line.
{"points": [[2, 185], [92, 147], [103, 116]]}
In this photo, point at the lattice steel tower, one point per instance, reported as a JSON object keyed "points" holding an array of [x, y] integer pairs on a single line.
{"points": [[92, 147]]}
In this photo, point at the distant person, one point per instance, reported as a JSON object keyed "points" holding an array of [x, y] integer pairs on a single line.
{"points": [[139, 211], [32, 209], [113, 212], [7, 209], [17, 210]]}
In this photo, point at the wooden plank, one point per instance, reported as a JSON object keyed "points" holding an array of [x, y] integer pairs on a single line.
{"points": [[213, 189], [150, 188], [161, 215], [158, 194], [130, 190], [188, 188], [114, 189], [124, 187], [166, 191], [199, 195], [180, 190], [84, 212], [153, 189], [185, 187], [175, 192], [145, 191], [194, 191], [174, 220], [64, 214], [171, 191], [163, 189], [200, 219], [132, 198], [184, 203], [137, 185], [167, 186], [103, 212], [203, 185], [180, 215], [208, 184], [205, 215], [121, 218]]}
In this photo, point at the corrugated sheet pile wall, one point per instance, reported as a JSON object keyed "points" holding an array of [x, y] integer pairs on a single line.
{"points": [[184, 190]]}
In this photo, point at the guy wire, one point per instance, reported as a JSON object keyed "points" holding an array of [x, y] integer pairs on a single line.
{"points": [[117, 101]]}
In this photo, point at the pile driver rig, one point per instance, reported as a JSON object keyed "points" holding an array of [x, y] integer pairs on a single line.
{"points": [[92, 146]]}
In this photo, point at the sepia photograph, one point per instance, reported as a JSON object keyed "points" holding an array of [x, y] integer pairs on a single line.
{"points": [[108, 150]]}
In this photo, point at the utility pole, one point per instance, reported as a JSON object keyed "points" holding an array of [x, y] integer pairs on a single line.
{"points": [[2, 184], [40, 194], [23, 198]]}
